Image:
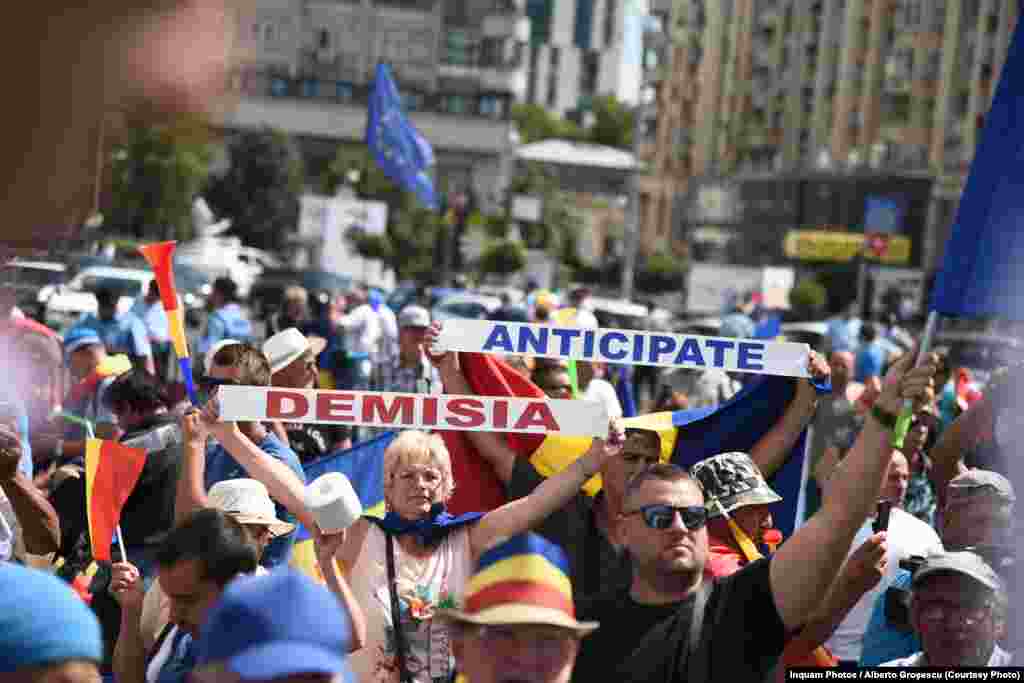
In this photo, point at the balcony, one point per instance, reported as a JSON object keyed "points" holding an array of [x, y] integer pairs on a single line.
{"points": [[507, 26]]}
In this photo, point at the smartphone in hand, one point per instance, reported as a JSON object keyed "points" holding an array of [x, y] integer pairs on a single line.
{"points": [[882, 520]]}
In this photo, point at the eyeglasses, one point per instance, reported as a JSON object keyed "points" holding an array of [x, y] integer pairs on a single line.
{"points": [[660, 516], [968, 615], [557, 390]]}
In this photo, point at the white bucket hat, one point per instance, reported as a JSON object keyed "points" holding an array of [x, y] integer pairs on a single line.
{"points": [[208, 358], [287, 345], [248, 502]]}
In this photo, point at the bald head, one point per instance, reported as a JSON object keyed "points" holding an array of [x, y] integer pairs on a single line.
{"points": [[897, 479]]}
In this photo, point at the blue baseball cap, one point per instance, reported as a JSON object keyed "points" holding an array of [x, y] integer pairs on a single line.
{"points": [[80, 336], [275, 625], [43, 621]]}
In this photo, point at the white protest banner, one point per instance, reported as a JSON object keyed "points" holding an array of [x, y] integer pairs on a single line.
{"points": [[626, 346], [414, 411]]}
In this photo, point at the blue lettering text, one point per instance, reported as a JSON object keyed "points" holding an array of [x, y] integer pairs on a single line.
{"points": [[689, 352], [565, 339], [751, 356], [606, 343], [499, 339], [719, 345], [539, 342], [660, 344]]}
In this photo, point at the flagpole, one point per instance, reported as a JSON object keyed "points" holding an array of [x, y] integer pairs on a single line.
{"points": [[905, 418]]}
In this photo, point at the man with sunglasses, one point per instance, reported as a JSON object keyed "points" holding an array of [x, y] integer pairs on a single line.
{"points": [[239, 449], [672, 623]]}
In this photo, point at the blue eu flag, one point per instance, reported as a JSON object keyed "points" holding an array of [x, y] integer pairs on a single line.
{"points": [[401, 152]]}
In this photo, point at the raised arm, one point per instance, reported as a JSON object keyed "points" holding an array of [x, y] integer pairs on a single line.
{"points": [[772, 450], [525, 513], [283, 485], [489, 445], [328, 548], [190, 494], [956, 441], [40, 525], [805, 567]]}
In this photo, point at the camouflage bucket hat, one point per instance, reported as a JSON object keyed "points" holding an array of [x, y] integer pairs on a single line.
{"points": [[734, 480]]}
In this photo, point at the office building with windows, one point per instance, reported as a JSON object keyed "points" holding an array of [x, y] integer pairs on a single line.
{"points": [[580, 49], [306, 67], [761, 87]]}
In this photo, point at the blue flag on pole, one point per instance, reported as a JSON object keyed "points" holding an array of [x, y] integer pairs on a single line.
{"points": [[982, 271], [399, 149]]}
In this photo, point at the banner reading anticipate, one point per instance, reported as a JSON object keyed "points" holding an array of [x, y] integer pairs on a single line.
{"points": [[413, 411], [626, 346]]}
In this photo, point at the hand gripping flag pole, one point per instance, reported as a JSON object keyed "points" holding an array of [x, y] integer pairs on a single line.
{"points": [[160, 258]]}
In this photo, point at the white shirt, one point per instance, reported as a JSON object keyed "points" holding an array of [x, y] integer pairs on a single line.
{"points": [[907, 536], [1000, 657], [603, 392], [364, 330]]}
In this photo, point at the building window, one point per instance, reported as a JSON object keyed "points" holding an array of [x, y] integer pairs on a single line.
{"points": [[491, 105], [343, 89], [460, 48], [609, 22], [278, 87], [257, 32], [268, 32], [584, 23], [455, 104], [412, 101], [588, 75], [310, 88], [323, 39]]}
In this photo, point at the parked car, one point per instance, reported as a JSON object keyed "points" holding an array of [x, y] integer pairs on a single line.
{"points": [[267, 291], [64, 304], [27, 278], [814, 334], [466, 305]]}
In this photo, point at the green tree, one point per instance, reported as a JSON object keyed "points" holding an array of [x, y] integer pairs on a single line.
{"points": [[559, 223], [156, 172], [502, 258], [613, 123], [260, 192], [808, 299], [534, 123]]}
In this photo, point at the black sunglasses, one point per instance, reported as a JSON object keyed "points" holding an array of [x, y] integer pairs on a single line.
{"points": [[660, 516]]}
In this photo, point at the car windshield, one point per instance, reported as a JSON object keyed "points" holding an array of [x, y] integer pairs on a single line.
{"points": [[20, 276], [123, 286]]}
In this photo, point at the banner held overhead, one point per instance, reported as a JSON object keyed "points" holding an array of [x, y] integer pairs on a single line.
{"points": [[626, 346], [414, 411]]}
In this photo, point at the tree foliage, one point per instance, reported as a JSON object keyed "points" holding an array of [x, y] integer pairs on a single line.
{"points": [[808, 299], [261, 190], [613, 123], [502, 258], [534, 123], [156, 172]]}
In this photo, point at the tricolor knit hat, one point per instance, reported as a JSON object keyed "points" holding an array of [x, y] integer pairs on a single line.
{"points": [[524, 580]]}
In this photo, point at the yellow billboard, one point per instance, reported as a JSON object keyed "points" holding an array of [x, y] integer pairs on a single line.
{"points": [[839, 247]]}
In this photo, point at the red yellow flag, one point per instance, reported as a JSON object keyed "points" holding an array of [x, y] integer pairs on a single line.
{"points": [[111, 471]]}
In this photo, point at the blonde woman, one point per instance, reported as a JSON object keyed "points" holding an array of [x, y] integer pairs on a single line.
{"points": [[433, 553]]}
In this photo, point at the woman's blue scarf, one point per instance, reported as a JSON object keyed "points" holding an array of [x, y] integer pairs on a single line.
{"points": [[430, 530]]}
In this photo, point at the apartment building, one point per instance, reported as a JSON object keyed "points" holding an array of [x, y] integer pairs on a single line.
{"points": [[306, 67], [580, 49], [791, 86]]}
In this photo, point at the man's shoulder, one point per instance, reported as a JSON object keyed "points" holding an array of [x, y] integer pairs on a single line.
{"points": [[273, 446]]}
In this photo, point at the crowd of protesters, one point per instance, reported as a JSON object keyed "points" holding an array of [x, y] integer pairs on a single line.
{"points": [[664, 574]]}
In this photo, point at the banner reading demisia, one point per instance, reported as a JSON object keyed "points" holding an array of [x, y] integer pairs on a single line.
{"points": [[631, 347], [414, 411]]}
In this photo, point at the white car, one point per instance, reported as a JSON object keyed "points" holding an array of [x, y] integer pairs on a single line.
{"points": [[472, 306], [63, 305]]}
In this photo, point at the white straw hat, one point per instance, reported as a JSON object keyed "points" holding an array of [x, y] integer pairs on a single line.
{"points": [[287, 345], [248, 502]]}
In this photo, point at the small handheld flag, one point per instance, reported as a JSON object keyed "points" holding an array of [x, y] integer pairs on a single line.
{"points": [[111, 471], [160, 258]]}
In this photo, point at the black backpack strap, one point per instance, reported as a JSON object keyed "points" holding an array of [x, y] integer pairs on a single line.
{"points": [[396, 612], [159, 643]]}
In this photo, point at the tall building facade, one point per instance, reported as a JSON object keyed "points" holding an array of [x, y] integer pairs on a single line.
{"points": [[787, 86], [306, 67], [580, 49]]}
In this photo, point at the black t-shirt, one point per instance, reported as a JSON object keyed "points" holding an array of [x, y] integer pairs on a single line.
{"points": [[596, 567], [745, 638]]}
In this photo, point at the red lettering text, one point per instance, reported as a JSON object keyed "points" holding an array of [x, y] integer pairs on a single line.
{"points": [[374, 405], [500, 417], [537, 414], [466, 412], [334, 407], [429, 411], [279, 402]]}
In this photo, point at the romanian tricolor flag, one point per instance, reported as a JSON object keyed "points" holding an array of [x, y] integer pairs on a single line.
{"points": [[686, 437], [161, 258], [111, 471]]}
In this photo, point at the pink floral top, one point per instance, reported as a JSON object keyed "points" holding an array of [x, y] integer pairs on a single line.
{"points": [[424, 584]]}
